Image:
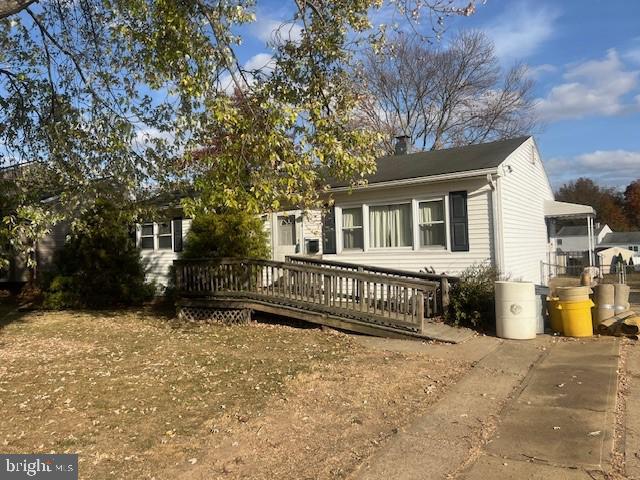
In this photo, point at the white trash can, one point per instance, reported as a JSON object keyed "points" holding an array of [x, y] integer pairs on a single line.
{"points": [[516, 316]]}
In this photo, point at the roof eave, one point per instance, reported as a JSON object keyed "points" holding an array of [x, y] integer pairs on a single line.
{"points": [[418, 180]]}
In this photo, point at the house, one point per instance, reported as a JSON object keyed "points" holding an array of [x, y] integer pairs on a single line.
{"points": [[608, 258], [449, 209], [575, 238], [441, 211], [627, 240]]}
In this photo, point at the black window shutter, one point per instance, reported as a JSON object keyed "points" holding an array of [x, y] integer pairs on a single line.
{"points": [[177, 235], [459, 221], [133, 235], [329, 230]]}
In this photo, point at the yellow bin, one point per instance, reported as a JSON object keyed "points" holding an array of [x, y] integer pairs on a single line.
{"points": [[576, 318], [554, 314]]}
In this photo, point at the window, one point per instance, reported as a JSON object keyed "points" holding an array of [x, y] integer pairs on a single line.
{"points": [[146, 237], [165, 236], [432, 224], [286, 230], [352, 228], [390, 226], [559, 242]]}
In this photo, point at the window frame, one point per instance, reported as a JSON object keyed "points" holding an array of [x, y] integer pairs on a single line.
{"points": [[444, 221], [152, 236], [360, 227], [156, 236], [414, 201], [170, 235], [412, 215]]}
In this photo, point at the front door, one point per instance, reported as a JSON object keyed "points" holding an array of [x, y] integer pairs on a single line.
{"points": [[286, 235]]}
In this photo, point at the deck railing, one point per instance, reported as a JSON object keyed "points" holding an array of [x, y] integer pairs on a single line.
{"points": [[367, 297], [441, 295]]}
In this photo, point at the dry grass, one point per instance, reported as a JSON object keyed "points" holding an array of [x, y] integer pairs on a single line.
{"points": [[142, 397]]}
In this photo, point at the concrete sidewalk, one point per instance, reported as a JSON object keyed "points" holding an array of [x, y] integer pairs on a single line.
{"points": [[561, 424], [541, 409], [440, 443]]}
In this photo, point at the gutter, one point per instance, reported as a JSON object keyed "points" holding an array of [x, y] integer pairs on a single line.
{"points": [[417, 180], [495, 183]]}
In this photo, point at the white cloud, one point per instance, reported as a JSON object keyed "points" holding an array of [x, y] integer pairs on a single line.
{"points": [[521, 29], [537, 71], [610, 167], [633, 55], [260, 61], [595, 87], [272, 31]]}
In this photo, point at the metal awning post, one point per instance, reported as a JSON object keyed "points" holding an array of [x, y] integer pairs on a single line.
{"points": [[590, 237]]}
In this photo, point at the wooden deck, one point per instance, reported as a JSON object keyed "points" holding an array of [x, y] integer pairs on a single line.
{"points": [[366, 302]]}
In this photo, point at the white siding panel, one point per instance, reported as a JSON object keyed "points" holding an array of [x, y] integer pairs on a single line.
{"points": [[525, 187], [442, 261]]}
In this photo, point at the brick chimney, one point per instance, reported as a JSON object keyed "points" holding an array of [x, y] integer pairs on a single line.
{"points": [[403, 143]]}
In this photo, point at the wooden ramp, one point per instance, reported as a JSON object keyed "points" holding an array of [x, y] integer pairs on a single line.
{"points": [[370, 303]]}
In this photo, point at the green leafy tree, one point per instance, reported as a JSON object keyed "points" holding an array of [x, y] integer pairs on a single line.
{"points": [[632, 203], [229, 234], [608, 203], [119, 89]]}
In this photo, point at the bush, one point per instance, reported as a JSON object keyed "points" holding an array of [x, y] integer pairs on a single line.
{"points": [[99, 266], [472, 302], [231, 234]]}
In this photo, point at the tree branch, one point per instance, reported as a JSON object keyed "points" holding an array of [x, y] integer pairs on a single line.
{"points": [[11, 7]]}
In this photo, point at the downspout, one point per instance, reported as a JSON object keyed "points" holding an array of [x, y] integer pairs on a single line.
{"points": [[496, 205]]}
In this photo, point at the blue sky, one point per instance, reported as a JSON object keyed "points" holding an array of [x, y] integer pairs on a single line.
{"points": [[585, 58]]}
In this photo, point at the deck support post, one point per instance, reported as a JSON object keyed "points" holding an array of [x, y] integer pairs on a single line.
{"points": [[444, 295], [420, 309]]}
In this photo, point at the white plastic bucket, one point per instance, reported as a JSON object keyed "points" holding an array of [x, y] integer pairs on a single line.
{"points": [[516, 310]]}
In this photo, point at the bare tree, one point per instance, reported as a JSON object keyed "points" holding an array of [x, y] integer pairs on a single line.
{"points": [[451, 96]]}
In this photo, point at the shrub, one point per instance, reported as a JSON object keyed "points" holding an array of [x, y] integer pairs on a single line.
{"points": [[230, 234], [472, 302], [99, 266]]}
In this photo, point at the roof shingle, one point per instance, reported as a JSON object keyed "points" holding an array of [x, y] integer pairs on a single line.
{"points": [[441, 162]]}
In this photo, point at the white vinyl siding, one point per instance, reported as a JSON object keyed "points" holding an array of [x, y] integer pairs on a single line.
{"points": [[442, 260], [524, 188]]}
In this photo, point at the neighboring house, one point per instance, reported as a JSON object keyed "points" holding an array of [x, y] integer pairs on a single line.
{"points": [[575, 238], [627, 240], [446, 210]]}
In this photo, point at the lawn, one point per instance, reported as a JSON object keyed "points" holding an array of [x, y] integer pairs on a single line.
{"points": [[141, 396]]}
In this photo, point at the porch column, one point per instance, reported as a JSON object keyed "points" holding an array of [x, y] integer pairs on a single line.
{"points": [[590, 237]]}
